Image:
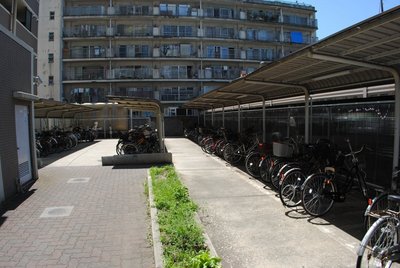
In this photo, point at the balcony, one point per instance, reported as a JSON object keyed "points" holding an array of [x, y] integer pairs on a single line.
{"points": [[83, 73], [85, 53], [131, 30], [299, 21], [86, 31], [85, 11], [220, 73], [131, 73]]}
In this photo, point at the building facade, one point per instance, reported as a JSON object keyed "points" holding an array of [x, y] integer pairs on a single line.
{"points": [[172, 51], [18, 42]]}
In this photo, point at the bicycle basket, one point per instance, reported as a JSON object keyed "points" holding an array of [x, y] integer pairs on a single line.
{"points": [[282, 149]]}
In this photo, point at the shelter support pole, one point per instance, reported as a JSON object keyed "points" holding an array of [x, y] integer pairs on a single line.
{"points": [[204, 117], [396, 143], [212, 117], [263, 122], [160, 128], [223, 116], [307, 117], [256, 82], [239, 112]]}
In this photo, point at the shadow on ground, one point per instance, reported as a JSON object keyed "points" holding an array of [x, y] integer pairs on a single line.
{"points": [[13, 203], [347, 215], [45, 161]]}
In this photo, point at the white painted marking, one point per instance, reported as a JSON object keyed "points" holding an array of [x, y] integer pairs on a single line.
{"points": [[79, 180], [55, 212]]}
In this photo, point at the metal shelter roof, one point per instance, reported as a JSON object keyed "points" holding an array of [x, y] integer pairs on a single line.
{"points": [[365, 54], [45, 108], [138, 104]]}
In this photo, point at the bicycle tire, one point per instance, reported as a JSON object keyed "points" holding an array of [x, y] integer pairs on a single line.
{"points": [[251, 163], [208, 146], [274, 173], [232, 153], [264, 167], [363, 185], [129, 148], [382, 235], [378, 205], [290, 187], [316, 194], [204, 144]]}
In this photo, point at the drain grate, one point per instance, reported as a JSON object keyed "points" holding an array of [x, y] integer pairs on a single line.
{"points": [[54, 212], [79, 180]]}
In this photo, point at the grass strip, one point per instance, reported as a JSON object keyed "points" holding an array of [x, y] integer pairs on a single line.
{"points": [[181, 237]]}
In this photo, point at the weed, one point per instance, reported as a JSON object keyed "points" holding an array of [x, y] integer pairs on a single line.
{"points": [[181, 237]]}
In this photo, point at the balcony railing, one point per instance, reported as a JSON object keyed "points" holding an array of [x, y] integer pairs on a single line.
{"points": [[71, 74], [86, 31], [131, 73], [85, 11], [130, 30], [182, 97], [85, 74], [86, 53], [126, 10]]}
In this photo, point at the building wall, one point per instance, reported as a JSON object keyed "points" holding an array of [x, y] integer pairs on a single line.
{"points": [[172, 52], [16, 75], [18, 44], [46, 69]]}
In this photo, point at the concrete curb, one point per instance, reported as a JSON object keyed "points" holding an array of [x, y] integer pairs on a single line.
{"points": [[155, 228], [207, 239]]}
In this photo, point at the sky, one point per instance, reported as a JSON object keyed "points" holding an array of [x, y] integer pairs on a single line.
{"points": [[336, 15]]}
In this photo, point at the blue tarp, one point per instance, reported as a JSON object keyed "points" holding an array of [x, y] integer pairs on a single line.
{"points": [[296, 37]]}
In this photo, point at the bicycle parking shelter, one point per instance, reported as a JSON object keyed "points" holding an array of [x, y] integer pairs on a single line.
{"points": [[363, 55]]}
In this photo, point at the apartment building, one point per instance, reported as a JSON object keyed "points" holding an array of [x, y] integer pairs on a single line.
{"points": [[172, 51], [18, 43]]}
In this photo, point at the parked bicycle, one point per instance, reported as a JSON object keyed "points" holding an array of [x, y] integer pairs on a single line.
{"points": [[321, 190], [315, 157], [380, 246], [141, 139]]}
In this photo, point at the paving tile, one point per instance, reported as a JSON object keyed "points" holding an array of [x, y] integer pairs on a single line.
{"points": [[107, 225]]}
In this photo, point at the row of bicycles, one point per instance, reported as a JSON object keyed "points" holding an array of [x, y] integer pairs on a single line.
{"points": [[310, 175], [57, 140], [315, 176], [138, 140]]}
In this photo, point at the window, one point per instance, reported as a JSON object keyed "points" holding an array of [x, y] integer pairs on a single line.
{"points": [[51, 36], [52, 15], [51, 80], [51, 57]]}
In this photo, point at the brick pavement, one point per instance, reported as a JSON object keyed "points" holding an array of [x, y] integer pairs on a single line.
{"points": [[108, 225]]}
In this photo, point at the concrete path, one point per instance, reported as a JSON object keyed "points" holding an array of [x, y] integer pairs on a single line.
{"points": [[247, 224], [80, 214]]}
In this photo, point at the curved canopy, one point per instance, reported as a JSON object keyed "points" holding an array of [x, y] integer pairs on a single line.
{"points": [[45, 108]]}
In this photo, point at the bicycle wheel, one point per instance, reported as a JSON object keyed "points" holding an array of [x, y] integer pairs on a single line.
{"points": [[274, 173], [382, 235], [118, 147], [208, 146], [374, 210], [129, 148], [251, 163], [264, 167], [205, 143], [232, 153], [290, 188], [317, 194]]}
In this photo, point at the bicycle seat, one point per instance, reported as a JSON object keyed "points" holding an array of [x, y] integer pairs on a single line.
{"points": [[394, 198]]}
